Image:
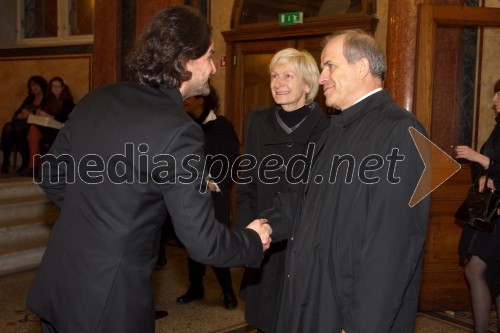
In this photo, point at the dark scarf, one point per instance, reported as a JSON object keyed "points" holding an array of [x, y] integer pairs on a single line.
{"points": [[201, 118], [293, 118]]}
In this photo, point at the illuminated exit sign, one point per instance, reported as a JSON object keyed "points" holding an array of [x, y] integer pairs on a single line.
{"points": [[290, 18]]}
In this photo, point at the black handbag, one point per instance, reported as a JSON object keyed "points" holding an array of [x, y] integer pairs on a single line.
{"points": [[480, 209]]}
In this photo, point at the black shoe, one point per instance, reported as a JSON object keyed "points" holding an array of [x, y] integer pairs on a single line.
{"points": [[230, 300], [161, 263], [160, 314], [192, 294]]}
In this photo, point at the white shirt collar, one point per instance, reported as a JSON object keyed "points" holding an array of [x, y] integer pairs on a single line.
{"points": [[370, 93], [211, 116]]}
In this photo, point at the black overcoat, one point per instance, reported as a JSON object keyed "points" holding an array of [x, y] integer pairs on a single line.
{"points": [[137, 156], [221, 142], [355, 249], [265, 137]]}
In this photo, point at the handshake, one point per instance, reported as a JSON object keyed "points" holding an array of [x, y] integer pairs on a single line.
{"points": [[264, 230]]}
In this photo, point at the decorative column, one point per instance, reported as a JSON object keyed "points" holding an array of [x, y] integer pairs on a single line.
{"points": [[401, 47], [106, 57], [146, 9]]}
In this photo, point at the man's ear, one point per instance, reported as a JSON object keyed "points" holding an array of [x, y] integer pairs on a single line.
{"points": [[183, 86], [189, 65], [362, 68]]}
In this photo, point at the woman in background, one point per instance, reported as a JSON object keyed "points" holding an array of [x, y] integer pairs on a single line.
{"points": [[59, 105], [481, 251], [283, 130], [15, 132], [220, 140]]}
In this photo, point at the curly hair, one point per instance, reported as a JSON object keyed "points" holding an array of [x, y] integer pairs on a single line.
{"points": [[171, 38], [39, 80], [55, 103]]}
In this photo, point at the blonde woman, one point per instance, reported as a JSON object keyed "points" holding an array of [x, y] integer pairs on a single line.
{"points": [[280, 132]]}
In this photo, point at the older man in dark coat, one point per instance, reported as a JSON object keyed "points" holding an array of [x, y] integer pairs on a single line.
{"points": [[132, 155], [355, 246]]}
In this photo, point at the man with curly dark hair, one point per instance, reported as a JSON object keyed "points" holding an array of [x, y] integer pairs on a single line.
{"points": [[128, 156]]}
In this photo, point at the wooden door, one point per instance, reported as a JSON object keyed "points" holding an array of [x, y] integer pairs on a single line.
{"points": [[314, 45], [249, 88], [249, 77], [437, 88]]}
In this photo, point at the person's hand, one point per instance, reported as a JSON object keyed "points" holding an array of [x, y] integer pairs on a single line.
{"points": [[470, 154], [212, 186], [264, 230], [465, 152], [490, 185], [266, 240], [40, 112], [23, 114]]}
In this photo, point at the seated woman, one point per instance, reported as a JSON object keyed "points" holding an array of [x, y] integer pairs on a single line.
{"points": [[59, 105], [15, 133]]}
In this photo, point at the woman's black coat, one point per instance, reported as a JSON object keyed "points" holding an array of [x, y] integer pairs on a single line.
{"points": [[265, 137]]}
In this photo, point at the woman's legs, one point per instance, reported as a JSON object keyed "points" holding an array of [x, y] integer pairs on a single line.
{"points": [[21, 140], [7, 145], [497, 301], [475, 272], [34, 137], [223, 275]]}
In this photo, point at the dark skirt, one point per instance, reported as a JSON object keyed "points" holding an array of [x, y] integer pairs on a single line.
{"points": [[486, 247]]}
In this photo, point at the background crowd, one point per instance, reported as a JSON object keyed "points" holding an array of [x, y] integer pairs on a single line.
{"points": [[52, 101]]}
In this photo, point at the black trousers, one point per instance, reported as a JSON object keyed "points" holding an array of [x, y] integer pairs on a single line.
{"points": [[197, 271]]}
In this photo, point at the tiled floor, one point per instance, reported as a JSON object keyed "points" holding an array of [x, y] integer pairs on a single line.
{"points": [[207, 315], [204, 316]]}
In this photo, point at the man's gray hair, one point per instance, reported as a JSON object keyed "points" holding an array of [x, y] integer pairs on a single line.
{"points": [[359, 44]]}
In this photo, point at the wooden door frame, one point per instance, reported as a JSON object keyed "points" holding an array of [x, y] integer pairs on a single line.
{"points": [[266, 32], [234, 105], [430, 16], [443, 285]]}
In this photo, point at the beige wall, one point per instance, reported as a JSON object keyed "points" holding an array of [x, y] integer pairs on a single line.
{"points": [[382, 13], [489, 73], [15, 72]]}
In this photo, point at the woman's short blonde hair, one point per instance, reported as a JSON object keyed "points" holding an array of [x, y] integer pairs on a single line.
{"points": [[304, 64]]}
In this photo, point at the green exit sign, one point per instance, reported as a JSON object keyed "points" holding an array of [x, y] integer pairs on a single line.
{"points": [[290, 18]]}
